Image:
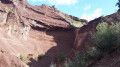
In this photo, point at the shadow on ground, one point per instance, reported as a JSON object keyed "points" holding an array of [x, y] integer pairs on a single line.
{"points": [[64, 40]]}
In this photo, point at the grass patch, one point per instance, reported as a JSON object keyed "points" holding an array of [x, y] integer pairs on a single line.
{"points": [[60, 57], [40, 56], [24, 57], [76, 23]]}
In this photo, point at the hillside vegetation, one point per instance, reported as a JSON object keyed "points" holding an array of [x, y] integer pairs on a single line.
{"points": [[42, 36], [106, 40]]}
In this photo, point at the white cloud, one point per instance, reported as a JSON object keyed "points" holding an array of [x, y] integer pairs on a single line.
{"points": [[96, 13], [87, 7], [57, 2]]}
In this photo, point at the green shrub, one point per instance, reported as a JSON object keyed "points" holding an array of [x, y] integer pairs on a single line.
{"points": [[40, 56], [69, 64], [60, 57], [89, 53], [105, 38], [78, 61], [94, 55], [24, 57]]}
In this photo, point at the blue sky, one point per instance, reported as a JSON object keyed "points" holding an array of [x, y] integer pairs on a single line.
{"points": [[85, 9]]}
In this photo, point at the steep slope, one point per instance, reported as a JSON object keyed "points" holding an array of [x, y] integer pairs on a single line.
{"points": [[33, 30], [83, 36], [111, 60]]}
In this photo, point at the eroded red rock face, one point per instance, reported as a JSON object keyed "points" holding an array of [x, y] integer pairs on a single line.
{"points": [[49, 33], [36, 30], [83, 35], [8, 60]]}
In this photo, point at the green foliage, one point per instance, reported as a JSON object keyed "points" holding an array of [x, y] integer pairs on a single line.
{"points": [[116, 19], [105, 38], [40, 56], [118, 3], [69, 64], [78, 23], [75, 23], [89, 53], [83, 60], [24, 57], [60, 57], [78, 61], [93, 55]]}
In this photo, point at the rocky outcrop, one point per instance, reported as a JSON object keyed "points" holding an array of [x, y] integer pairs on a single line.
{"points": [[83, 36], [36, 30], [33, 30]]}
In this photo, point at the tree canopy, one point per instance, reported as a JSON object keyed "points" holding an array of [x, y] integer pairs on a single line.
{"points": [[118, 4]]}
